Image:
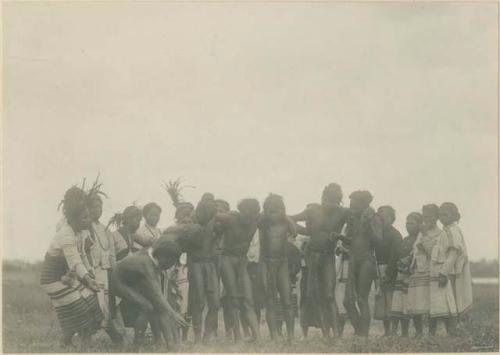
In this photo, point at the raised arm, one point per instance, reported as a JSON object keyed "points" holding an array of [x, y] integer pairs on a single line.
{"points": [[376, 225]]}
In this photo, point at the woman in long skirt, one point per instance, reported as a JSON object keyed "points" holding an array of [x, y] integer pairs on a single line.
{"points": [[418, 300], [399, 306], [451, 283], [65, 277]]}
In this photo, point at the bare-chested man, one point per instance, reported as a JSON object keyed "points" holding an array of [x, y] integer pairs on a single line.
{"points": [[239, 229], [202, 272], [364, 231], [323, 223], [274, 230], [136, 279]]}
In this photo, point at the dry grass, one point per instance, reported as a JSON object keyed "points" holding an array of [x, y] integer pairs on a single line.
{"points": [[30, 325]]}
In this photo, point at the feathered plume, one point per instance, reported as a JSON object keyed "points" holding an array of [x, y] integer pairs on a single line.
{"points": [[95, 189], [174, 189]]}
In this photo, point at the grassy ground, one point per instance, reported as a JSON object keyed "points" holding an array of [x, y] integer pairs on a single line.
{"points": [[30, 325]]}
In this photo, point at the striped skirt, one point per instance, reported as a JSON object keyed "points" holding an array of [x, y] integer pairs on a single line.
{"points": [[399, 297], [342, 272], [76, 306], [280, 309], [418, 299]]}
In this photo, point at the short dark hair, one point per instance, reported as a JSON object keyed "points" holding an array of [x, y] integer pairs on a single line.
{"points": [[149, 207], [273, 200], [224, 203], [432, 208], [390, 209], [416, 215], [363, 196], [74, 203], [453, 209], [333, 189], [131, 212], [249, 204], [166, 247], [182, 206]]}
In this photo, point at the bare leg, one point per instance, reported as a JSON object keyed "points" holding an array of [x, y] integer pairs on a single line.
{"points": [[213, 310], [86, 336], [341, 326], [405, 325], [154, 321], [285, 291], [364, 284], [228, 274], [432, 326], [141, 324], [395, 326], [248, 300], [350, 298], [114, 335], [418, 323], [305, 330], [387, 327], [451, 325]]}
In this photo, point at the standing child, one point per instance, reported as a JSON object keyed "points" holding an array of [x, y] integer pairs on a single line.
{"points": [[274, 230], [386, 266], [101, 255], [149, 232], [123, 240], [342, 268], [451, 283], [418, 301], [404, 254]]}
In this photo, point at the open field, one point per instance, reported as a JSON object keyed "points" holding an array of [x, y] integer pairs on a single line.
{"points": [[30, 325]]}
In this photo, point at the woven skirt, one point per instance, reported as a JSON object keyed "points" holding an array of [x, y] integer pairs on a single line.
{"points": [[76, 306]]}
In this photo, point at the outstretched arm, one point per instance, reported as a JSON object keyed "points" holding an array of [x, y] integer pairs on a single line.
{"points": [[152, 288], [301, 217], [376, 224]]}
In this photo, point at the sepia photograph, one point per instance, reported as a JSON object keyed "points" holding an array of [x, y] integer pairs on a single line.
{"points": [[250, 176]]}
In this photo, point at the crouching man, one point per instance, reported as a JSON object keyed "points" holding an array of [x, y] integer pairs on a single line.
{"points": [[138, 278]]}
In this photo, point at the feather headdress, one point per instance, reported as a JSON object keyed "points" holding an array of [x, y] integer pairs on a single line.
{"points": [[95, 189], [174, 189]]}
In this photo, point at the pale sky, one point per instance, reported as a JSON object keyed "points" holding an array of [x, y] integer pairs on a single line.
{"points": [[244, 99]]}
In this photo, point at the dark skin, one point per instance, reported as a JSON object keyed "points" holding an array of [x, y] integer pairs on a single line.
{"points": [[137, 279], [274, 234], [323, 223], [239, 228], [205, 217], [388, 218], [129, 226], [365, 229]]}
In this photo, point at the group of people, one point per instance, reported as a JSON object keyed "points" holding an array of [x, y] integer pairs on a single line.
{"points": [[140, 276]]}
